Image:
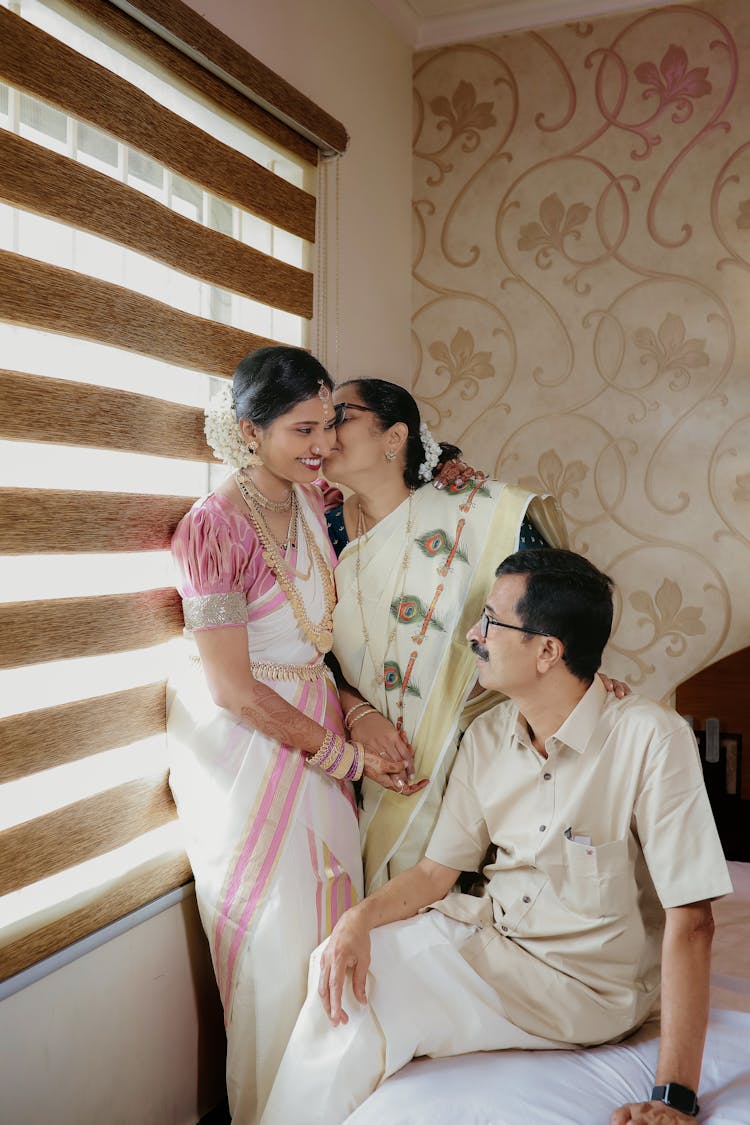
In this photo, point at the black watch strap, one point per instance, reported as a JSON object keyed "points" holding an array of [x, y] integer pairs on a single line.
{"points": [[678, 1097]]}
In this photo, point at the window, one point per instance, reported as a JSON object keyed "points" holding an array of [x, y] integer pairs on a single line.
{"points": [[156, 224]]}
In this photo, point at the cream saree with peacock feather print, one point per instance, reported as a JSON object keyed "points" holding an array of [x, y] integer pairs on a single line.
{"points": [[418, 594]]}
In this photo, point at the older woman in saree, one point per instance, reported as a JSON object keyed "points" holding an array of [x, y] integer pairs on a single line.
{"points": [[261, 770], [414, 566]]}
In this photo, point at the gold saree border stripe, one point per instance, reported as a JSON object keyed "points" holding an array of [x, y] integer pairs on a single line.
{"points": [[221, 945]]}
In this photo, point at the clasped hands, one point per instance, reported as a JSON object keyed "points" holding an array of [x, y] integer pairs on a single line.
{"points": [[388, 755]]}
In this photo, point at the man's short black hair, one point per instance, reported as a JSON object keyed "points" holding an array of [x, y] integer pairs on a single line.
{"points": [[567, 597]]}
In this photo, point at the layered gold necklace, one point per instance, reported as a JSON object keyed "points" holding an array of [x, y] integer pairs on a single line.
{"points": [[361, 532], [261, 499], [320, 634]]}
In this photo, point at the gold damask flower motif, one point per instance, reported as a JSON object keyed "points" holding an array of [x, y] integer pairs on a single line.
{"points": [[742, 492], [555, 477], [556, 225], [743, 219], [671, 351], [668, 616], [461, 363], [673, 82], [463, 114]]}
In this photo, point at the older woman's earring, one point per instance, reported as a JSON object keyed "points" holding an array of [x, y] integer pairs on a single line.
{"points": [[390, 455]]}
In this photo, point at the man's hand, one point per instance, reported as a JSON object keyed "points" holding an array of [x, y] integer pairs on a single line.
{"points": [[348, 948], [648, 1113]]}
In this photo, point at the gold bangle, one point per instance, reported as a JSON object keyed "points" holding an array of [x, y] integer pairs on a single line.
{"points": [[339, 760], [329, 741], [370, 711], [357, 767], [356, 707]]}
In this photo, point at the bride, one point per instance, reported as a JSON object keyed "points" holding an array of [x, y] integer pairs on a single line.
{"points": [[261, 769]]}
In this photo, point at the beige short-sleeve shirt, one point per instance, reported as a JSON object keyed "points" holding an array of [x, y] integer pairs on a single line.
{"points": [[593, 843]]}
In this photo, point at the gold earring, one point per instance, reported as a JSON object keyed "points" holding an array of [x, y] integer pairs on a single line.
{"points": [[253, 459]]}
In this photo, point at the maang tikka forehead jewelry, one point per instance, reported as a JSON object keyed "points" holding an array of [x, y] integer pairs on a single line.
{"points": [[324, 394]]}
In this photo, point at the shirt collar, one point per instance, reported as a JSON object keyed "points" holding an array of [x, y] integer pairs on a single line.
{"points": [[577, 730]]}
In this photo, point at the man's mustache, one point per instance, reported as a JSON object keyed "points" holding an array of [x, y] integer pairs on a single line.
{"points": [[479, 650]]}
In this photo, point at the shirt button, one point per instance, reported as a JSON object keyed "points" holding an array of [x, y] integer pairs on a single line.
{"points": [[504, 929], [542, 827], [526, 898], [548, 777]]}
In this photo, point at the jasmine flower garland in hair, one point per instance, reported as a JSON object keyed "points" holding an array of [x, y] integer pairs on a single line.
{"points": [[223, 433], [431, 453]]}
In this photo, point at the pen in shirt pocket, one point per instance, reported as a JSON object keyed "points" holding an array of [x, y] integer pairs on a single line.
{"points": [[578, 837]]}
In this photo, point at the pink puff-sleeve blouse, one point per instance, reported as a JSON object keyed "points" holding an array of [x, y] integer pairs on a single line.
{"points": [[219, 564]]}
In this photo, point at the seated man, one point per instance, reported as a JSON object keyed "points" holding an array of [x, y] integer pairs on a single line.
{"points": [[605, 860]]}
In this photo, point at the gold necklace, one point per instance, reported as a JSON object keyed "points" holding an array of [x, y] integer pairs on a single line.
{"points": [[261, 499], [380, 669], [292, 542], [320, 634], [253, 505]]}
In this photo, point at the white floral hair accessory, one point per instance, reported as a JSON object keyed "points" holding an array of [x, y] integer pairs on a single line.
{"points": [[223, 433], [432, 453]]}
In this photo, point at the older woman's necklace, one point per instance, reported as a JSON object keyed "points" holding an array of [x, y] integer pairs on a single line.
{"points": [[380, 669], [320, 634]]}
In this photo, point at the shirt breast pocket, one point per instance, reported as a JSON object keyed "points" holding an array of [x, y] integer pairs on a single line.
{"points": [[597, 878]]}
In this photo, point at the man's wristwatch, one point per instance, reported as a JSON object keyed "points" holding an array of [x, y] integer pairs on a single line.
{"points": [[678, 1097]]}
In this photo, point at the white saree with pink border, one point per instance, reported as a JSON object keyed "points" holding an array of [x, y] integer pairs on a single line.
{"points": [[273, 843]]}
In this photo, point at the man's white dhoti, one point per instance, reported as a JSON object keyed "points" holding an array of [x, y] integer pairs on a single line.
{"points": [[423, 999]]}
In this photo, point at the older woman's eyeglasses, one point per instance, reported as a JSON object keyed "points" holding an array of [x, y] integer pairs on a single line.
{"points": [[485, 621], [341, 410]]}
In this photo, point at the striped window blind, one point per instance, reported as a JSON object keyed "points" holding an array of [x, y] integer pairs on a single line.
{"points": [[157, 214]]}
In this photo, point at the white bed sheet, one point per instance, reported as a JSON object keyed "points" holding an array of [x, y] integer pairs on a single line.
{"points": [[583, 1087]]}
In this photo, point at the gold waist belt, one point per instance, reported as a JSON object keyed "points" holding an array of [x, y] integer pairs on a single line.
{"points": [[267, 670]]}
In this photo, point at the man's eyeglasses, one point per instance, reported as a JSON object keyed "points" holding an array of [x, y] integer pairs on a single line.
{"points": [[485, 622], [341, 409]]}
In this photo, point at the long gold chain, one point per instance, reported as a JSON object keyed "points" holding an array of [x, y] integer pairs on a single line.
{"points": [[320, 634], [361, 530]]}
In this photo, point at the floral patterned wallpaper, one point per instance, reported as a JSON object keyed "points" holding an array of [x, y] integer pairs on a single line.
{"points": [[582, 302]]}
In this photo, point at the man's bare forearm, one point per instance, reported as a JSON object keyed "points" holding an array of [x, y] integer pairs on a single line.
{"points": [[686, 967], [406, 894]]}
